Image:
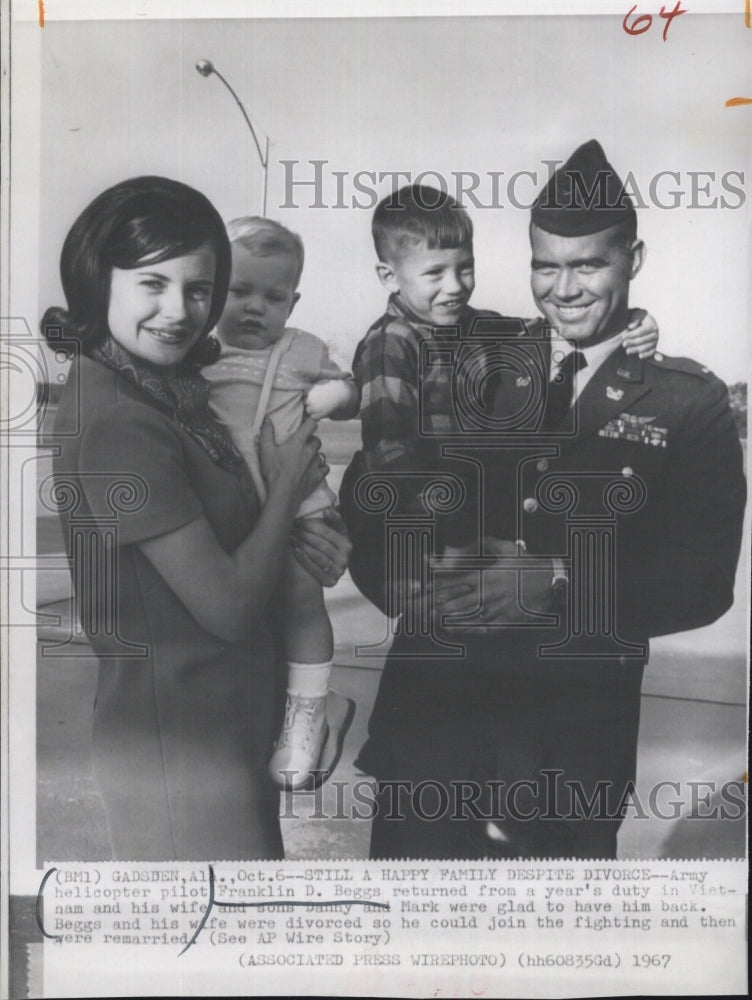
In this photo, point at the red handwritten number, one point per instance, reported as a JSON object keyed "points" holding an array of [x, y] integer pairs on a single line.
{"points": [[634, 29], [642, 22], [670, 16]]}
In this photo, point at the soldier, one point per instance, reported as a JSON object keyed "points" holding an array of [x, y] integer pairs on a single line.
{"points": [[618, 482]]}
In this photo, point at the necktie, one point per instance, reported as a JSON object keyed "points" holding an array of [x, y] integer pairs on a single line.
{"points": [[560, 390]]}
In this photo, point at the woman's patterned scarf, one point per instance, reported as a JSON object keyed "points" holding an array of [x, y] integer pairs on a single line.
{"points": [[185, 396]]}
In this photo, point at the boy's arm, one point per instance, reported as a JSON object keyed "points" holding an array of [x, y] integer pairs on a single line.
{"points": [[641, 334], [387, 368]]}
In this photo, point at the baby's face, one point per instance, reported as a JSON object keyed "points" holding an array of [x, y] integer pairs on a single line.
{"points": [[435, 284], [261, 297]]}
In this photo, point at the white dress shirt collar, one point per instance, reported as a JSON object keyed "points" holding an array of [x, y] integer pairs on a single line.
{"points": [[595, 355]]}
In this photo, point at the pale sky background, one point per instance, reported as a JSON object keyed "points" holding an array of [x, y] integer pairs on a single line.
{"points": [[479, 94]]}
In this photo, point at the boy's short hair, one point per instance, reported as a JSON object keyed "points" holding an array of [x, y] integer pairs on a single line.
{"points": [[264, 238], [415, 214]]}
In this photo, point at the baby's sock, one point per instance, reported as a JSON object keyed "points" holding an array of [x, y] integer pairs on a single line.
{"points": [[308, 680]]}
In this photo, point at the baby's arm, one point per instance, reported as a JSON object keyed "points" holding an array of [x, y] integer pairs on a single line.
{"points": [[641, 335], [335, 398]]}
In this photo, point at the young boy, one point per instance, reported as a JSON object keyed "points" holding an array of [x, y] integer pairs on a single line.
{"points": [[424, 243], [269, 370]]}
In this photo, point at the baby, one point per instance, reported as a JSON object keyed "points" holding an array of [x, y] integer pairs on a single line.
{"points": [[267, 370]]}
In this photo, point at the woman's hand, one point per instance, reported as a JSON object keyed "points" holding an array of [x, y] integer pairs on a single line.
{"points": [[322, 546], [296, 467]]}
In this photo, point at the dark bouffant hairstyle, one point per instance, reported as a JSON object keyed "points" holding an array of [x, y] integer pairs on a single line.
{"points": [[416, 213], [142, 218]]}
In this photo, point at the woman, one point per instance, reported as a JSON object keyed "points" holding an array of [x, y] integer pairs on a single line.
{"points": [[174, 561]]}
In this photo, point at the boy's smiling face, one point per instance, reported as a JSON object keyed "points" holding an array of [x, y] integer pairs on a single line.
{"points": [[434, 284], [261, 297]]}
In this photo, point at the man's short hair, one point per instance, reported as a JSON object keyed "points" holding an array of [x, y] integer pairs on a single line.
{"points": [[417, 214], [264, 238], [625, 232]]}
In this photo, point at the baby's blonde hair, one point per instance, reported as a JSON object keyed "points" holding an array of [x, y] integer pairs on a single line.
{"points": [[264, 237]]}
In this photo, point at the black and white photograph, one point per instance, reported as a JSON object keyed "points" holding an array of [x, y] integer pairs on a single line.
{"points": [[375, 448]]}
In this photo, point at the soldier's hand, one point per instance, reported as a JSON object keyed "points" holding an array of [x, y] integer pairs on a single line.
{"points": [[502, 594]]}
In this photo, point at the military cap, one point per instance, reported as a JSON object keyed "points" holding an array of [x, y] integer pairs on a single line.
{"points": [[584, 196]]}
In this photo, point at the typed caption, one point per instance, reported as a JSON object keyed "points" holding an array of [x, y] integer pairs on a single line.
{"points": [[503, 927]]}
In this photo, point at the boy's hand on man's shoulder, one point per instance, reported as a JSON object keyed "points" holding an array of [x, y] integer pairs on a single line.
{"points": [[641, 334]]}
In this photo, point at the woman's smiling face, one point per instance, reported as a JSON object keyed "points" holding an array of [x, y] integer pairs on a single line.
{"points": [[158, 311]]}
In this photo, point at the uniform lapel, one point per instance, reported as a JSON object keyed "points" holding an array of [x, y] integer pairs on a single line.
{"points": [[617, 384], [614, 387]]}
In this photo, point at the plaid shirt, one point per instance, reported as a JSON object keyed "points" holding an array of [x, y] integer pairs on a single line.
{"points": [[409, 392]]}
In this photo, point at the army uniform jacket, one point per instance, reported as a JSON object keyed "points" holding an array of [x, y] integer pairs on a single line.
{"points": [[650, 448], [641, 494]]}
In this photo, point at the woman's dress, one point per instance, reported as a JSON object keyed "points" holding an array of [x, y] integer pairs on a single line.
{"points": [[183, 721]]}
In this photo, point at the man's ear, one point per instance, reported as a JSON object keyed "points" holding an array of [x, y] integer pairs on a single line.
{"points": [[387, 276], [295, 298], [637, 252]]}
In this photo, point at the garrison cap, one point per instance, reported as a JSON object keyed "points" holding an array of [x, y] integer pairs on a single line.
{"points": [[584, 196]]}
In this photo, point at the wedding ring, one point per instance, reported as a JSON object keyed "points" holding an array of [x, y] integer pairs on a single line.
{"points": [[322, 459]]}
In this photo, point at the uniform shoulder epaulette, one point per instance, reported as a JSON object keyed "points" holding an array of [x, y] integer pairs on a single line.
{"points": [[684, 365]]}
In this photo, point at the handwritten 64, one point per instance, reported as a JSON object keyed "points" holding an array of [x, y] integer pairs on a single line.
{"points": [[643, 22]]}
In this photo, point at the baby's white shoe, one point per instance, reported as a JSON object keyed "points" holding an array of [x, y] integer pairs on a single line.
{"points": [[298, 750]]}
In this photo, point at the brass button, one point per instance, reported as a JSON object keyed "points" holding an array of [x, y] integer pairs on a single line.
{"points": [[658, 356], [627, 471], [530, 505], [542, 465]]}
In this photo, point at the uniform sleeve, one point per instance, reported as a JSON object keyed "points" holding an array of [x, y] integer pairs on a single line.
{"points": [[131, 466], [687, 580]]}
